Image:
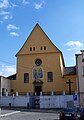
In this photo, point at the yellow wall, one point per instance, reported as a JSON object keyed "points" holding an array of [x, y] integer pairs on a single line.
{"points": [[52, 61], [73, 85], [25, 65]]}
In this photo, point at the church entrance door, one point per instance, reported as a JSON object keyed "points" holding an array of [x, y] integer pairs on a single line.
{"points": [[38, 89], [38, 86]]}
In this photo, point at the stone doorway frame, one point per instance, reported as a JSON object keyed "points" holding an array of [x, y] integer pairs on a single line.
{"points": [[38, 83]]}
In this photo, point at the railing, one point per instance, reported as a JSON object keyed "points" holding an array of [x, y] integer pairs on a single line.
{"points": [[33, 94]]}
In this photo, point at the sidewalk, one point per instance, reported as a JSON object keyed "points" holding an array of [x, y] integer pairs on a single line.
{"points": [[30, 110]]}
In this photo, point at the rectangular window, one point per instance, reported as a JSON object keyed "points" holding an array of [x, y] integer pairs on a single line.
{"points": [[30, 48], [41, 47], [50, 76], [82, 60], [33, 48], [83, 70], [26, 77], [12, 90], [44, 47]]}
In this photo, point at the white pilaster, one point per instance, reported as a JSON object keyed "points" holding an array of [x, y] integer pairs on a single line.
{"points": [[41, 93], [52, 93], [17, 93], [6, 93], [27, 94]]}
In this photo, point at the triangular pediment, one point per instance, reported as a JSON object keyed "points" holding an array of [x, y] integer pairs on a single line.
{"points": [[37, 42]]}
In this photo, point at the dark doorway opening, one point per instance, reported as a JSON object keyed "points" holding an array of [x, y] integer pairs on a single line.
{"points": [[38, 89], [3, 91]]}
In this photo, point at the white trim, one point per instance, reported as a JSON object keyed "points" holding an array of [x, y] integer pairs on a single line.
{"points": [[4, 115]]}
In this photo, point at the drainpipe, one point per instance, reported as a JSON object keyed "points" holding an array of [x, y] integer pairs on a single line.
{"points": [[77, 79]]}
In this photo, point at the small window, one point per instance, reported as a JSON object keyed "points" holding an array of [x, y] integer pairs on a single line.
{"points": [[30, 48], [26, 77], [82, 60], [41, 47], [12, 90], [33, 48], [83, 70], [44, 47], [50, 76], [3, 91]]}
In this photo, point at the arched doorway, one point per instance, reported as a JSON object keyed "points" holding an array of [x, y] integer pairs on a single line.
{"points": [[38, 86], [37, 89]]}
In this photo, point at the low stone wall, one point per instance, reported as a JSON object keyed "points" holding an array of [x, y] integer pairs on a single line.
{"points": [[58, 101], [16, 101], [43, 102]]}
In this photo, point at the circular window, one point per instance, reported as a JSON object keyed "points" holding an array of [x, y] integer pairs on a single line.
{"points": [[38, 62]]}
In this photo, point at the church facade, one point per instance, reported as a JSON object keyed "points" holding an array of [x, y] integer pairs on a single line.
{"points": [[41, 68]]}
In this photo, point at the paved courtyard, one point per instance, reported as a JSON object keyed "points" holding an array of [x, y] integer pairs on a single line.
{"points": [[26, 115]]}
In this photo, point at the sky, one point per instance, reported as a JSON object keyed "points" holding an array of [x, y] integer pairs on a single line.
{"points": [[61, 20]]}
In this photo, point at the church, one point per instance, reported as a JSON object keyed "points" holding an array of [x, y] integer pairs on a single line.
{"points": [[40, 68]]}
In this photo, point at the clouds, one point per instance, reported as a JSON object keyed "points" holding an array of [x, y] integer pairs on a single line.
{"points": [[6, 70], [12, 28], [72, 48], [14, 34], [25, 2], [7, 7], [39, 5], [74, 45], [5, 14], [4, 4], [1, 21], [36, 5]]}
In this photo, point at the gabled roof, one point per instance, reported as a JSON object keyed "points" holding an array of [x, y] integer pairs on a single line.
{"points": [[34, 31], [37, 25], [12, 77], [2, 76], [70, 70]]}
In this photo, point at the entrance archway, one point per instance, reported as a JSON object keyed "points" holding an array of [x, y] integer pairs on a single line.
{"points": [[38, 86], [38, 89]]}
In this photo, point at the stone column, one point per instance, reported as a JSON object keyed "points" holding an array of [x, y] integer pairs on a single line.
{"points": [[41, 93], [63, 92], [35, 94], [1, 94], [76, 92], [28, 94], [6, 93], [52, 93], [17, 93]]}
